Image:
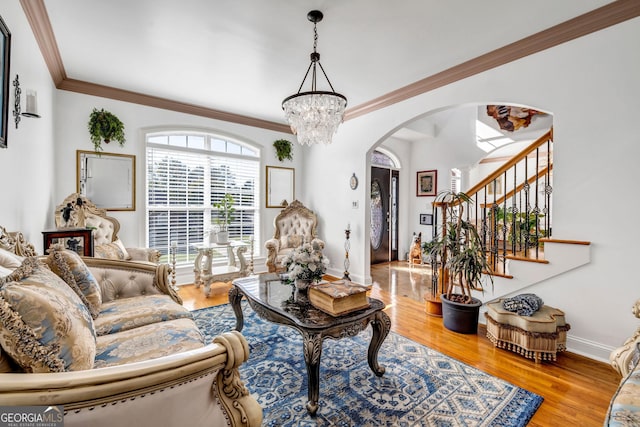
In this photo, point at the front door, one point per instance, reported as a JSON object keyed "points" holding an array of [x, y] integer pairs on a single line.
{"points": [[384, 215]]}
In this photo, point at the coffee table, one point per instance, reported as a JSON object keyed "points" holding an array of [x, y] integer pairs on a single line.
{"points": [[278, 302]]}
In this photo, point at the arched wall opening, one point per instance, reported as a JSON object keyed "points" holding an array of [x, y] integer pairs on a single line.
{"points": [[447, 138]]}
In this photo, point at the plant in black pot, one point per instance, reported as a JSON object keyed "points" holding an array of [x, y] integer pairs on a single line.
{"points": [[464, 264]]}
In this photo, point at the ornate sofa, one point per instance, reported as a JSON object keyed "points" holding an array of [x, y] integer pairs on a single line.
{"points": [[110, 341], [294, 225], [78, 211], [624, 409]]}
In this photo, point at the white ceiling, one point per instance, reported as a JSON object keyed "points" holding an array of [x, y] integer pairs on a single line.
{"points": [[245, 56]]}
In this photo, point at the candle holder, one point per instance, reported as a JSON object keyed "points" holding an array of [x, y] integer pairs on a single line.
{"points": [[347, 246], [251, 258], [173, 252]]}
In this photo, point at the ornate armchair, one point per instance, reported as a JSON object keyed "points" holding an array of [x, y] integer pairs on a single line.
{"points": [[78, 211], [294, 225]]}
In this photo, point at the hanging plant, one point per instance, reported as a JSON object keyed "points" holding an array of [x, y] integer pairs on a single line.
{"points": [[105, 126], [283, 149]]}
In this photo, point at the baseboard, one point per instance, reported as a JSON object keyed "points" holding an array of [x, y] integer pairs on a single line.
{"points": [[590, 349]]}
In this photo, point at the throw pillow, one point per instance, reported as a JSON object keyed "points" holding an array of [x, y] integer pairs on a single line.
{"points": [[44, 327], [71, 268], [4, 271], [120, 245], [294, 241], [109, 250], [9, 260]]}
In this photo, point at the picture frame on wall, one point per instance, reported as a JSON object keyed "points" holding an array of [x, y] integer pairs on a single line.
{"points": [[5, 56], [427, 183], [426, 219]]}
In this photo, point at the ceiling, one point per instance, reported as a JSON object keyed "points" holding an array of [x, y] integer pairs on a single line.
{"points": [[244, 57]]}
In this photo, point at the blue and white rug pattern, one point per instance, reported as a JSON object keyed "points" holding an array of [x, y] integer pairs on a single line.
{"points": [[421, 387]]}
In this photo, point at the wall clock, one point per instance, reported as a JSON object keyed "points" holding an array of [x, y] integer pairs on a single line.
{"points": [[354, 182]]}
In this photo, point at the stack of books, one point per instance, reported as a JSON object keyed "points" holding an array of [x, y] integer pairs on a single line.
{"points": [[339, 297]]}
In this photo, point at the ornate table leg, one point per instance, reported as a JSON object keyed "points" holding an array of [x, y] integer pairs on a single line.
{"points": [[312, 351], [243, 262], [235, 296], [206, 273], [197, 268], [381, 326]]}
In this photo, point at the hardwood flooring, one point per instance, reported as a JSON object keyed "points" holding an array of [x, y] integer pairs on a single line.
{"points": [[576, 390]]}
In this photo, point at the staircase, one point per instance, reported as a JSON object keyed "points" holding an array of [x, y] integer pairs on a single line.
{"points": [[511, 209]]}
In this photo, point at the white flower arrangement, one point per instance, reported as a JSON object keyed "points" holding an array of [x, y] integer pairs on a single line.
{"points": [[306, 262]]}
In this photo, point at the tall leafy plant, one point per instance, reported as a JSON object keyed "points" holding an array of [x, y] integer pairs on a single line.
{"points": [[460, 249], [225, 212]]}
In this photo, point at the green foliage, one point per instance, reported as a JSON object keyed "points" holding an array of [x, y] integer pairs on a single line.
{"points": [[105, 126], [521, 226], [283, 149], [460, 248], [225, 211]]}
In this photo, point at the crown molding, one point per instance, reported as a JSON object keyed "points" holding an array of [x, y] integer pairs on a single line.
{"points": [[598, 19]]}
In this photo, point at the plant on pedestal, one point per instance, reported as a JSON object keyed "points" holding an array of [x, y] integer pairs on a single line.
{"points": [[224, 217]]}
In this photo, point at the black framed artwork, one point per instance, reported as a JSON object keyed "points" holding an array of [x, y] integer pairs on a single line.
{"points": [[5, 56], [426, 219]]}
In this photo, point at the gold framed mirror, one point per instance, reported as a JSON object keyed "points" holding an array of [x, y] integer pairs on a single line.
{"points": [[281, 186], [107, 179]]}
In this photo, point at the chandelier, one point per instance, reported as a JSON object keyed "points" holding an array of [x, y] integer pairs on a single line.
{"points": [[314, 116]]}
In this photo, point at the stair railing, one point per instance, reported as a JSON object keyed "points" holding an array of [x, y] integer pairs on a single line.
{"points": [[511, 207]]}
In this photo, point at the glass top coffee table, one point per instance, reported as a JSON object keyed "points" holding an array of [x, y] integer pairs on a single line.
{"points": [[274, 301]]}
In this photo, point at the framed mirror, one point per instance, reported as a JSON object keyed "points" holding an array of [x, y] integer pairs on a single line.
{"points": [[107, 179], [280, 186]]}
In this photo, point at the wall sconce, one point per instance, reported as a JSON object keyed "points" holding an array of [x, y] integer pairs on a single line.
{"points": [[31, 109]]}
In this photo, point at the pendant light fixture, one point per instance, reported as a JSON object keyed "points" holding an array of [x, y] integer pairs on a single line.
{"points": [[314, 116]]}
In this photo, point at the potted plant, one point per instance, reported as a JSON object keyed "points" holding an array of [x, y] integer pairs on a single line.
{"points": [[283, 149], [464, 265], [224, 211], [105, 126]]}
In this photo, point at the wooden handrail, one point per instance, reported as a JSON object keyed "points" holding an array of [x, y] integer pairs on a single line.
{"points": [[548, 136]]}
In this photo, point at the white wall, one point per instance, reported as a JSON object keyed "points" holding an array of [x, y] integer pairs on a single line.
{"points": [[26, 166], [591, 86]]}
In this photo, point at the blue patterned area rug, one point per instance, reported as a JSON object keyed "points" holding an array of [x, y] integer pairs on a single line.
{"points": [[421, 387]]}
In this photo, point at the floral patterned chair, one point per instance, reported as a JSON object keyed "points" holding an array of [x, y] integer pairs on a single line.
{"points": [[78, 211], [294, 225]]}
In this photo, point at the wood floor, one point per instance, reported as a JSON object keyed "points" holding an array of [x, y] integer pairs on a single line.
{"points": [[576, 390]]}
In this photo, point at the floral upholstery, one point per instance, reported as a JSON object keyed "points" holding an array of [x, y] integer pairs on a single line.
{"points": [[129, 313], [148, 342], [294, 226], [44, 326], [69, 266], [624, 409], [113, 250]]}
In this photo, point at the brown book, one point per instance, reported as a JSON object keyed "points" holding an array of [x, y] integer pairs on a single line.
{"points": [[339, 297]]}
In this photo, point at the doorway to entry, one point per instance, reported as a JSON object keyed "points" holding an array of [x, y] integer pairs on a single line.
{"points": [[384, 214]]}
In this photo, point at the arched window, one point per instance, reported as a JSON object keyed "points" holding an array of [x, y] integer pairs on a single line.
{"points": [[187, 172]]}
